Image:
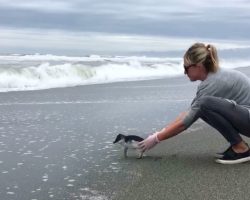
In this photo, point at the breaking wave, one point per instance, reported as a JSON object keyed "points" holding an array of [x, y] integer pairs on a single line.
{"points": [[34, 72]]}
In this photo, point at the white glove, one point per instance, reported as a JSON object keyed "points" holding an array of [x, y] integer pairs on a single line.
{"points": [[149, 142]]}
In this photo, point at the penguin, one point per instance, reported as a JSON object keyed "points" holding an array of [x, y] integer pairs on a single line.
{"points": [[129, 142]]}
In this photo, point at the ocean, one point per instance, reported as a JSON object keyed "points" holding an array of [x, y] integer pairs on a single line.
{"points": [[35, 72]]}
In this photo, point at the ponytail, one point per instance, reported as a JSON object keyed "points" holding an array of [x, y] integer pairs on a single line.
{"points": [[200, 53]]}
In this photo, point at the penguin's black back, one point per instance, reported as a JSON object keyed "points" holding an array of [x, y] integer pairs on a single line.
{"points": [[133, 137]]}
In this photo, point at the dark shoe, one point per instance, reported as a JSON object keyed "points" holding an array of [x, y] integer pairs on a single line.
{"points": [[221, 154], [231, 157], [229, 149]]}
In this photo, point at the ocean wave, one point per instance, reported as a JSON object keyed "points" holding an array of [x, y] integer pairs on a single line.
{"points": [[72, 71], [43, 76], [35, 72]]}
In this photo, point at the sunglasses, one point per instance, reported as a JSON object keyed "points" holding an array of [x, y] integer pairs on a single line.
{"points": [[186, 67]]}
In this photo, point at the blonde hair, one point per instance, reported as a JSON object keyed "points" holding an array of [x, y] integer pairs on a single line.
{"points": [[206, 55]]}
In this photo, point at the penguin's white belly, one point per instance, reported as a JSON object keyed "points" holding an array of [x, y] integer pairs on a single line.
{"points": [[131, 145]]}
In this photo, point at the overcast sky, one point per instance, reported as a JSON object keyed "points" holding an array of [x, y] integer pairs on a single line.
{"points": [[110, 26]]}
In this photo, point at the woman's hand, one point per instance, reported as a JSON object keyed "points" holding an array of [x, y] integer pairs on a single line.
{"points": [[149, 142]]}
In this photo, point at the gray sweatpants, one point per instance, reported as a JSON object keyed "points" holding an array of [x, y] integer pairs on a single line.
{"points": [[229, 118]]}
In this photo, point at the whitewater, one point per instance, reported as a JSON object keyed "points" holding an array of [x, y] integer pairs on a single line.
{"points": [[36, 72]]}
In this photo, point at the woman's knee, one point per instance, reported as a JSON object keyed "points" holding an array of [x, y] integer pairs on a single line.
{"points": [[217, 104], [206, 102]]}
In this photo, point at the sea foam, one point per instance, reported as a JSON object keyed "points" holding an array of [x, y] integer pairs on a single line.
{"points": [[32, 72], [35, 72]]}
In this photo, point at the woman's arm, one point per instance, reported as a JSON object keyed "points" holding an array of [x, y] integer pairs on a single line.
{"points": [[171, 130], [174, 128]]}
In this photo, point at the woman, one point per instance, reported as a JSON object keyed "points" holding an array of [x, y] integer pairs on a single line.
{"points": [[222, 100]]}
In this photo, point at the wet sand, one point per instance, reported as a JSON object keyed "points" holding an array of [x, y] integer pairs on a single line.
{"points": [[57, 144]]}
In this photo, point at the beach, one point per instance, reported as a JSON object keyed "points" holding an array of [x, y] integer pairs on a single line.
{"points": [[57, 144], [75, 74]]}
